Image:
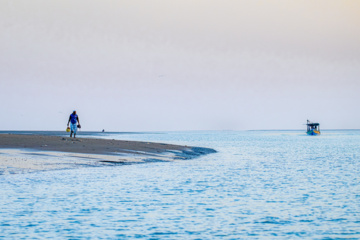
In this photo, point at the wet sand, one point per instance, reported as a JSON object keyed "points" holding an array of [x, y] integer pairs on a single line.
{"points": [[27, 153]]}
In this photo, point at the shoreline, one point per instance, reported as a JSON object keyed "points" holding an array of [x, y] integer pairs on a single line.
{"points": [[28, 153]]}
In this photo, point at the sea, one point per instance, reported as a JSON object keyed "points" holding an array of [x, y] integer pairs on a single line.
{"points": [[258, 185]]}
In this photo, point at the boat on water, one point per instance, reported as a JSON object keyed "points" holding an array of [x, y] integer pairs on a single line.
{"points": [[312, 128]]}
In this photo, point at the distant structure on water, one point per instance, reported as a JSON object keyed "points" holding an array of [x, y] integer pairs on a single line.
{"points": [[312, 128]]}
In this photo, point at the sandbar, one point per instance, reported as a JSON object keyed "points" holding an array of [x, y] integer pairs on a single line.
{"points": [[21, 153]]}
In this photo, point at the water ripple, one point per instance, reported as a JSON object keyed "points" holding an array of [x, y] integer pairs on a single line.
{"points": [[260, 185]]}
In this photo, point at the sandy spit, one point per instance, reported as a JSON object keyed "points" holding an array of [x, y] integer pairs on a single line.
{"points": [[28, 153]]}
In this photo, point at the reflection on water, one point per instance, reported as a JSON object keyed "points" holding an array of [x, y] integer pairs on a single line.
{"points": [[259, 185]]}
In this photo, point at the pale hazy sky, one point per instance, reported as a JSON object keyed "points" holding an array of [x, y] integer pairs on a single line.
{"points": [[153, 65]]}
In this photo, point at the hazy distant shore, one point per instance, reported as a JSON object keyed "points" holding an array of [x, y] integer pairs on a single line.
{"points": [[24, 153]]}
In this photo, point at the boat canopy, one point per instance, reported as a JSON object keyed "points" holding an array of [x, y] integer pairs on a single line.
{"points": [[313, 124]]}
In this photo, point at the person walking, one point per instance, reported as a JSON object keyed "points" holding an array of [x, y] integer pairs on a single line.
{"points": [[75, 122]]}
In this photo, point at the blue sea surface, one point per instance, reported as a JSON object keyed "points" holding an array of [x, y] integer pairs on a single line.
{"points": [[259, 185]]}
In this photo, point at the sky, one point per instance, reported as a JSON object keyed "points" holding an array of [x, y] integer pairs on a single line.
{"points": [[160, 65]]}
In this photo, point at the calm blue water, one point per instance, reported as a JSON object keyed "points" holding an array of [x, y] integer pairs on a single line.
{"points": [[260, 185]]}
